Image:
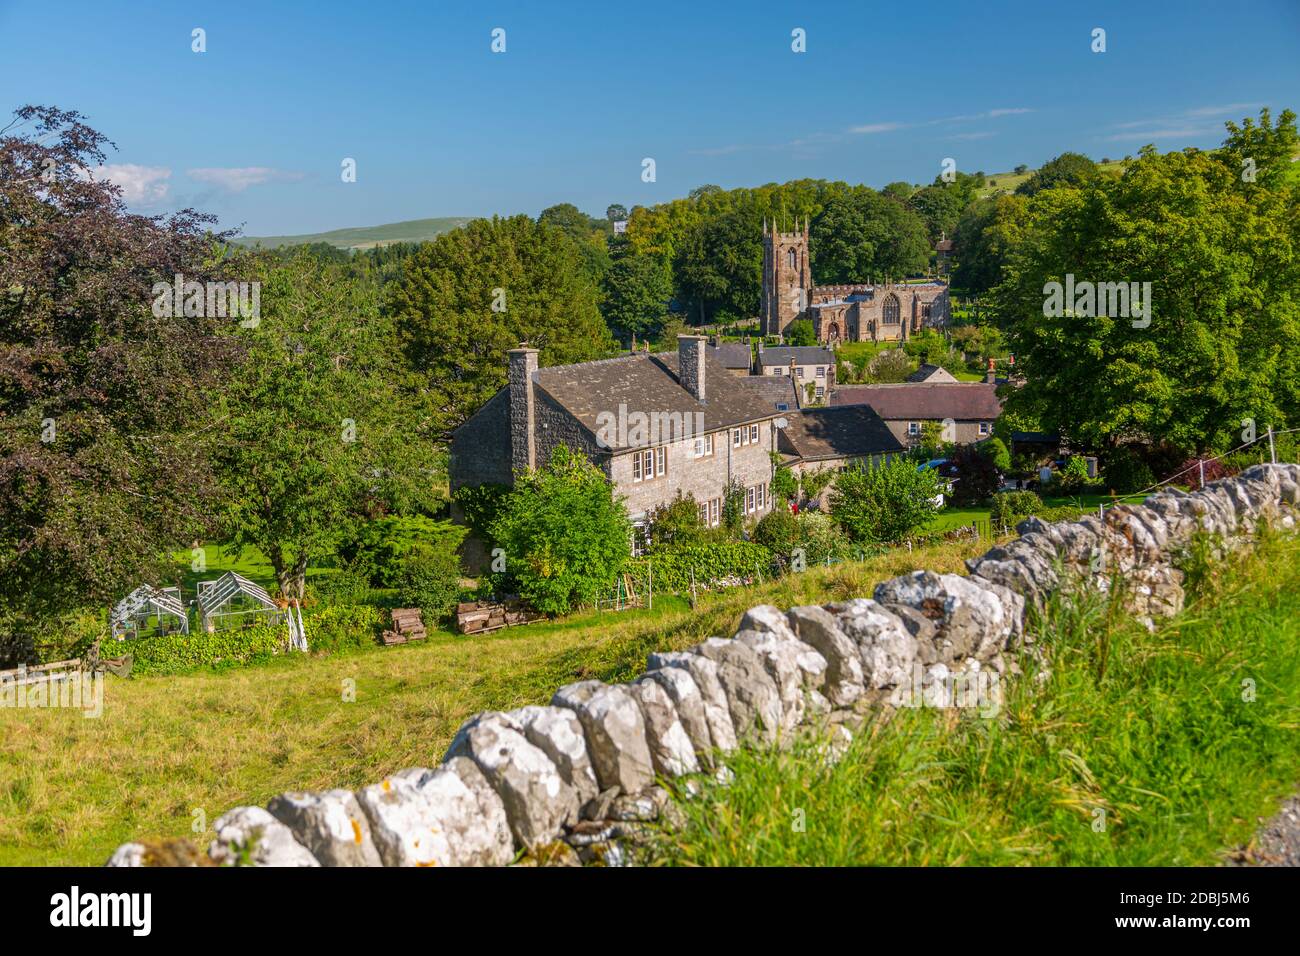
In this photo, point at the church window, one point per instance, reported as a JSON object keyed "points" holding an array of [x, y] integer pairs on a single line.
{"points": [[889, 310], [792, 258]]}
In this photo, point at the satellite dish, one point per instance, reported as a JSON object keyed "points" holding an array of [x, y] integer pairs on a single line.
{"points": [[782, 423]]}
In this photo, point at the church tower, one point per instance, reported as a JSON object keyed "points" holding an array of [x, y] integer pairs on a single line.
{"points": [[787, 277]]}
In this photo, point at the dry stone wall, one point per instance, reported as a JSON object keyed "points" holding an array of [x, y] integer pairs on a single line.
{"points": [[568, 781]]}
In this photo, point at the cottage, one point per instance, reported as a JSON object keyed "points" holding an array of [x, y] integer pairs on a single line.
{"points": [[656, 424], [967, 409], [807, 364]]}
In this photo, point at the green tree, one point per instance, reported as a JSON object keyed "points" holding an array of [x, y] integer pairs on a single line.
{"points": [[884, 502], [106, 408], [566, 537], [800, 332], [1223, 338], [637, 291], [867, 235], [1068, 169], [986, 234], [315, 433], [474, 293]]}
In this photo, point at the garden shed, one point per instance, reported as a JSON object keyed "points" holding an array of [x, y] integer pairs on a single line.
{"points": [[146, 609], [233, 600]]}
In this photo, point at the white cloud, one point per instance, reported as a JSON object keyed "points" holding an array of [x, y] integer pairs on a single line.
{"points": [[1014, 111], [980, 135], [876, 128], [237, 179], [140, 185]]}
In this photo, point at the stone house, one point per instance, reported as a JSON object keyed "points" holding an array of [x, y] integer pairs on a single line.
{"points": [[733, 356], [656, 424], [967, 409], [807, 364], [837, 437]]}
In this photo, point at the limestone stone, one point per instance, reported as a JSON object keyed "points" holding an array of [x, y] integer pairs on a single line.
{"points": [[331, 825], [615, 731], [537, 799], [818, 628], [752, 697], [686, 697], [558, 733], [705, 674], [249, 836], [969, 620], [887, 649], [670, 747]]}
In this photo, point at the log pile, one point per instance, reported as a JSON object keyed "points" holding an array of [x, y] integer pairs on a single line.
{"points": [[475, 617], [407, 626]]}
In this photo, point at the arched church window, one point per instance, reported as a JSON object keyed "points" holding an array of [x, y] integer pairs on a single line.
{"points": [[889, 310], [792, 257]]}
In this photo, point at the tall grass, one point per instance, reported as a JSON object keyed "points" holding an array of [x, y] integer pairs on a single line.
{"points": [[72, 789], [1137, 749]]}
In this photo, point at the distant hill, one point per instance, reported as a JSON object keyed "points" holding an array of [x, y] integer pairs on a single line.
{"points": [[365, 237]]}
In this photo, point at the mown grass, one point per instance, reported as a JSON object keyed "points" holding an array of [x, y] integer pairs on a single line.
{"points": [[1139, 750], [72, 788]]}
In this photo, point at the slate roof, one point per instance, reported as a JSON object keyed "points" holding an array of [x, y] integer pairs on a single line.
{"points": [[846, 431], [928, 373], [802, 355], [732, 355], [965, 401], [775, 389], [648, 383]]}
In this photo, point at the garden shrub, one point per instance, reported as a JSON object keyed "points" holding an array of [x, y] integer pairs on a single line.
{"points": [[778, 531], [1010, 506], [339, 628], [379, 549], [566, 538], [429, 578], [712, 563], [1072, 478], [179, 653], [1123, 472], [884, 502]]}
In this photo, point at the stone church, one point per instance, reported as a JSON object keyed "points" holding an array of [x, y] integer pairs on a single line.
{"points": [[841, 313]]}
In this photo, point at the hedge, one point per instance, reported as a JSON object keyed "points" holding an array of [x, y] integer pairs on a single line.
{"points": [[713, 563], [179, 653], [338, 628]]}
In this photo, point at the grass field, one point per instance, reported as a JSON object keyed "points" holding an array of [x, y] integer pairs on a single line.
{"points": [[72, 788], [364, 237], [1141, 749]]}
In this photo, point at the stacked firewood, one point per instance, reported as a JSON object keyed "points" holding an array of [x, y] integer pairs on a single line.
{"points": [[476, 616], [407, 626]]}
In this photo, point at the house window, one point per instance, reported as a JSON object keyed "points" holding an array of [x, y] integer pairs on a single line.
{"points": [[638, 538], [984, 428], [753, 434], [715, 512], [782, 406], [661, 461], [704, 513], [704, 446], [749, 500], [761, 496], [636, 467], [735, 437], [914, 428], [821, 371], [799, 371], [821, 392]]}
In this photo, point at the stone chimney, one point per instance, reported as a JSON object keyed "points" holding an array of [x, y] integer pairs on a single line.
{"points": [[690, 364], [991, 376], [523, 409]]}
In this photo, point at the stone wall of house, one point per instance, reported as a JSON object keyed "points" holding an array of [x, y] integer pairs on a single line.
{"points": [[964, 432], [705, 478], [572, 781]]}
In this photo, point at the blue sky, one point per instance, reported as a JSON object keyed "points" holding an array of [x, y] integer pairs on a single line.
{"points": [[255, 128]]}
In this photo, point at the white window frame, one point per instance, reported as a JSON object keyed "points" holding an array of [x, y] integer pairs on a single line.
{"points": [[913, 429], [735, 437], [984, 428], [753, 434], [661, 461]]}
